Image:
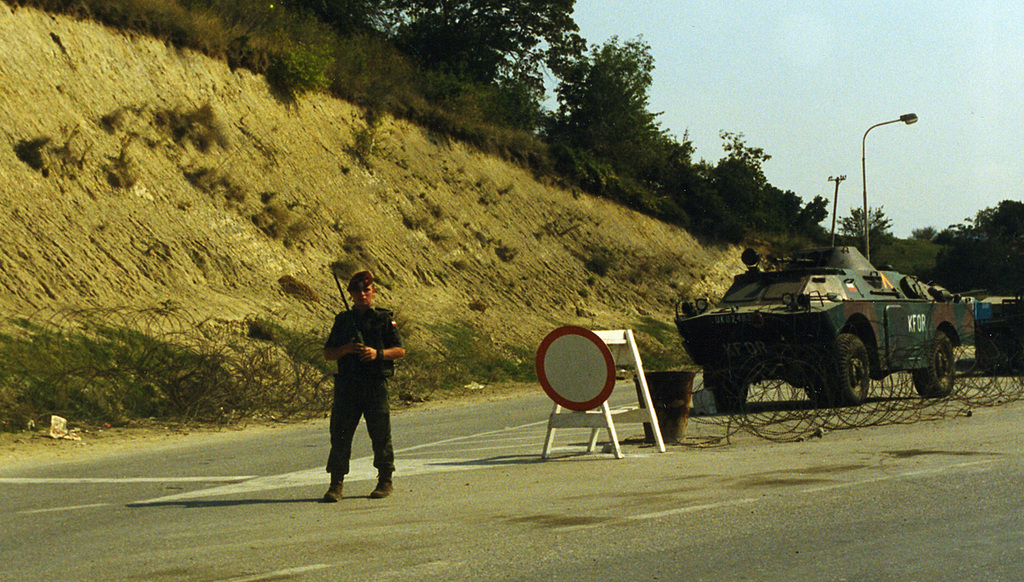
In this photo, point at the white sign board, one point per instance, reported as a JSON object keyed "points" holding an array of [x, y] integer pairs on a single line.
{"points": [[575, 368]]}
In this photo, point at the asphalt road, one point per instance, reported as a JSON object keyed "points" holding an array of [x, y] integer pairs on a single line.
{"points": [[937, 500]]}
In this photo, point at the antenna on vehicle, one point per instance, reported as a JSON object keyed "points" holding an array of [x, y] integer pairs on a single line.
{"points": [[835, 202]]}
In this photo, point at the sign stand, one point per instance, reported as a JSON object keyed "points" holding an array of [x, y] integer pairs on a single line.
{"points": [[576, 368]]}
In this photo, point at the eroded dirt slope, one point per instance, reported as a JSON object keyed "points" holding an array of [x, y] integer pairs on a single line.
{"points": [[133, 173]]}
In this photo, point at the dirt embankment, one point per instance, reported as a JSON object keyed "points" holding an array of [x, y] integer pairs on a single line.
{"points": [[134, 173]]}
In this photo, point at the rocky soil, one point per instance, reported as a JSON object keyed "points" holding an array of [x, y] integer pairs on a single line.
{"points": [[137, 174]]}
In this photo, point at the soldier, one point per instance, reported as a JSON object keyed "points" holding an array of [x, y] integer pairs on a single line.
{"points": [[365, 342]]}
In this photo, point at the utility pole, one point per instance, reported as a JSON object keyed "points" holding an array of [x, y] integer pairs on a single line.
{"points": [[835, 203]]}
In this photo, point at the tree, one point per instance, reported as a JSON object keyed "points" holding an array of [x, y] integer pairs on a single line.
{"points": [[603, 103], [925, 233], [1003, 223], [345, 16], [609, 141], [487, 41], [807, 220], [852, 228], [605, 137], [986, 252], [740, 181]]}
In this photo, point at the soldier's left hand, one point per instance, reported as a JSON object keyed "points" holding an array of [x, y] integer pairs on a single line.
{"points": [[366, 353]]}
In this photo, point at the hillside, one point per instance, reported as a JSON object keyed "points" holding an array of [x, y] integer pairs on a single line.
{"points": [[137, 174]]}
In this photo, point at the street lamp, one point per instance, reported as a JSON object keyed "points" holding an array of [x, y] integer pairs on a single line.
{"points": [[907, 118]]}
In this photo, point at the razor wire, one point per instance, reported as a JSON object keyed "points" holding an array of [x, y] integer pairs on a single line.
{"points": [[779, 405], [120, 364], [162, 361]]}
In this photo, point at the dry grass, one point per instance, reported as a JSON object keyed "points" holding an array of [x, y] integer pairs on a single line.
{"points": [[199, 127], [298, 289]]}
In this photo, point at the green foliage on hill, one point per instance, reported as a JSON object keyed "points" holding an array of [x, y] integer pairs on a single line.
{"points": [[911, 256], [983, 255]]}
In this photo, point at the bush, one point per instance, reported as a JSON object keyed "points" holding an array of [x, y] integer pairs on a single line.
{"points": [[371, 72], [278, 221], [297, 289], [214, 182], [30, 151], [601, 260], [661, 346], [199, 127], [299, 70]]}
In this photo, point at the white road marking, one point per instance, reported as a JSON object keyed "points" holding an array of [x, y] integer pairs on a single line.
{"points": [[118, 480], [690, 509], [361, 469], [494, 448], [661, 514], [746, 500], [55, 509], [933, 471], [472, 436], [279, 574]]}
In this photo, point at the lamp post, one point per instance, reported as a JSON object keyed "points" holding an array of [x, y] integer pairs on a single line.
{"points": [[907, 118]]}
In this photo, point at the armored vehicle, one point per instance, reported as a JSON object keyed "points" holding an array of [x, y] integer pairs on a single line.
{"points": [[827, 322]]}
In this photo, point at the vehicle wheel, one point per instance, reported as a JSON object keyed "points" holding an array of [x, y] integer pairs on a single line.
{"points": [[730, 393], [852, 371], [936, 380]]}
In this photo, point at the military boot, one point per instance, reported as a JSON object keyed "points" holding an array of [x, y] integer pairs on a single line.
{"points": [[384, 487], [334, 493]]}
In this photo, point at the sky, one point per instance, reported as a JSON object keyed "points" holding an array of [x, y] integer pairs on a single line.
{"points": [[806, 80]]}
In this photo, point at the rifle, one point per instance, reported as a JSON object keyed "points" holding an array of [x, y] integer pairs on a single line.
{"points": [[334, 271]]}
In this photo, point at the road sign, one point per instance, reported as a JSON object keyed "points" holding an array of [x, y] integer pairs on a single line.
{"points": [[575, 368]]}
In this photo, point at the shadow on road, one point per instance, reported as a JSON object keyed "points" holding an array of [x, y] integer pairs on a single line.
{"points": [[207, 503], [491, 461]]}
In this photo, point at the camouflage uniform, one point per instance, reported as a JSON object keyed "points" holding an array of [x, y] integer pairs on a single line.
{"points": [[361, 388]]}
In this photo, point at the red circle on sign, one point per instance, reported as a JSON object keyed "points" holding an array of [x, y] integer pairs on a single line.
{"points": [[583, 370]]}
